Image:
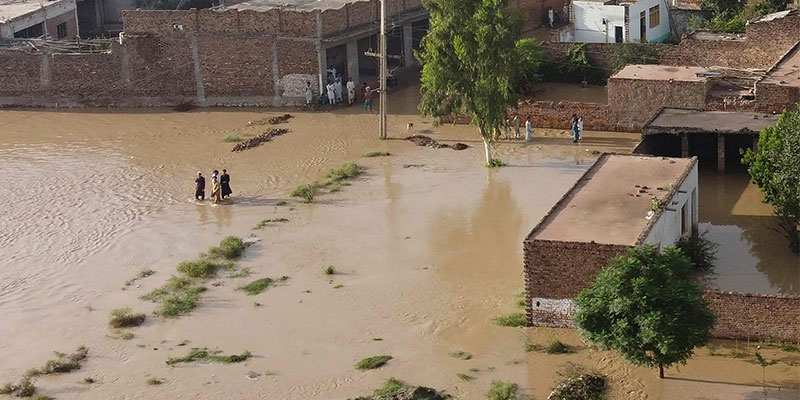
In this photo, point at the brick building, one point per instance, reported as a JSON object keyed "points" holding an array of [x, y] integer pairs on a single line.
{"points": [[609, 209], [29, 19]]}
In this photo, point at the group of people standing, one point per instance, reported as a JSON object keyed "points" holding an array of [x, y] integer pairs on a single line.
{"points": [[220, 186], [514, 122], [334, 90]]}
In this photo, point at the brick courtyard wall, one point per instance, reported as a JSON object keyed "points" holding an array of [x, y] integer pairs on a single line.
{"points": [[771, 97], [633, 102], [558, 115], [21, 74], [755, 316]]}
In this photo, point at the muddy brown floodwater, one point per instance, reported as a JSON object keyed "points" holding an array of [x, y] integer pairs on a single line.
{"points": [[427, 245]]}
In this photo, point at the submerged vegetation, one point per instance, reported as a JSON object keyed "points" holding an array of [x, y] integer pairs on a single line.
{"points": [[556, 347], [230, 248], [373, 362], [371, 154], [63, 363], [500, 390], [394, 389], [231, 138], [265, 222], [24, 388], [581, 387], [259, 285], [336, 178], [203, 267], [701, 250], [464, 355], [205, 355], [125, 318], [515, 320]]}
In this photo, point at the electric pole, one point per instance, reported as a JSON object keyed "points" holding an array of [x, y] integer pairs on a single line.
{"points": [[383, 73]]}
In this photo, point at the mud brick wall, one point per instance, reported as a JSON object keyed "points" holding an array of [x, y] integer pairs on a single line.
{"points": [[161, 67], [88, 77], [633, 102], [771, 97], [362, 13], [20, 73], [236, 66], [755, 316], [558, 115]]}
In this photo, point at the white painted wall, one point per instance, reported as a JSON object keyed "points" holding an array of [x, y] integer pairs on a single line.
{"points": [[588, 18], [667, 229], [657, 33]]}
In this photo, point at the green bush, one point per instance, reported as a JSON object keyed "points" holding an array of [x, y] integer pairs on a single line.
{"points": [[230, 248], [259, 285], [345, 172], [306, 191], [556, 347], [495, 163], [582, 387], [179, 303], [209, 356], [575, 67], [125, 317], [634, 53], [373, 362], [203, 267], [24, 388], [503, 391]]}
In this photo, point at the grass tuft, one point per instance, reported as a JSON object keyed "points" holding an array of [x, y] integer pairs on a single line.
{"points": [[259, 285], [127, 336], [144, 273], [345, 172], [373, 362], [465, 377], [24, 388], [203, 267], [503, 391], [371, 154], [231, 138], [513, 320], [242, 273], [306, 191], [390, 388], [155, 381], [329, 270], [88, 380], [789, 347], [494, 163], [556, 347], [125, 318], [461, 354], [209, 356], [265, 222], [230, 248], [43, 397]]}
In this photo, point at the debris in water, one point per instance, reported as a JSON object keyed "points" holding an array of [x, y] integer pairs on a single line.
{"points": [[280, 119], [257, 140], [422, 140]]}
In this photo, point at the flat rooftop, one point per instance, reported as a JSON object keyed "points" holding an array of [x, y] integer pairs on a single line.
{"points": [[787, 71], [661, 73], [299, 5], [610, 203], [678, 120], [13, 9]]}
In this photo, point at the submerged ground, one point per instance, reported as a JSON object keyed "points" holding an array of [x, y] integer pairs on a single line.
{"points": [[427, 246]]}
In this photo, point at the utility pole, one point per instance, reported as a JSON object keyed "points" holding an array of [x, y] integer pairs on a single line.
{"points": [[383, 73]]}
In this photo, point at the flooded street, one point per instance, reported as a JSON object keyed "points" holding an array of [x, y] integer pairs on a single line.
{"points": [[753, 255], [427, 245]]}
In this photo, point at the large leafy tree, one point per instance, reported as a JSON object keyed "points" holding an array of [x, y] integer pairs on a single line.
{"points": [[646, 306], [471, 63], [775, 168]]}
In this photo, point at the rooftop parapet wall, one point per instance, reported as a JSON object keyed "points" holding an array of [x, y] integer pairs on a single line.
{"points": [[188, 22]]}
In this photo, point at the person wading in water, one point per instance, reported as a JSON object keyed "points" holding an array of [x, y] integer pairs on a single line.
{"points": [[225, 181], [216, 196], [200, 187]]}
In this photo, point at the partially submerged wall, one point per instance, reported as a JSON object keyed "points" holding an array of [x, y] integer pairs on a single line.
{"points": [[755, 316], [558, 115]]}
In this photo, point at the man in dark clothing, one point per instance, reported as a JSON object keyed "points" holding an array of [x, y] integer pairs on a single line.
{"points": [[200, 188], [225, 181]]}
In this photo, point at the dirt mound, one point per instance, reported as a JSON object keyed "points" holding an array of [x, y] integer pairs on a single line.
{"points": [[422, 140], [280, 119], [257, 140]]}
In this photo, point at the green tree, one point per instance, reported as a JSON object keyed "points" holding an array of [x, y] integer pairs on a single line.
{"points": [[470, 63], [775, 168], [532, 53], [645, 305]]}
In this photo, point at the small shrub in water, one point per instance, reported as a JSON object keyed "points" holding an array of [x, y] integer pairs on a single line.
{"points": [[265, 222], [179, 303], [203, 267], [373, 362], [88, 380], [259, 285], [495, 163], [461, 354], [205, 355], [230, 248], [556, 347], [371, 154], [329, 270], [503, 391], [345, 172], [390, 388], [43, 397], [24, 388], [512, 320], [789, 347], [242, 273], [154, 381], [582, 387], [306, 191], [465, 377], [125, 318], [127, 336]]}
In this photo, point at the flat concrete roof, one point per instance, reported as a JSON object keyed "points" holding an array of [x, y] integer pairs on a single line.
{"points": [[12, 9], [299, 5], [610, 203], [787, 71], [678, 120], [661, 73], [773, 16]]}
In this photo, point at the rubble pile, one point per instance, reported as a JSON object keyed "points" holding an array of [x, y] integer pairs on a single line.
{"points": [[257, 140]]}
